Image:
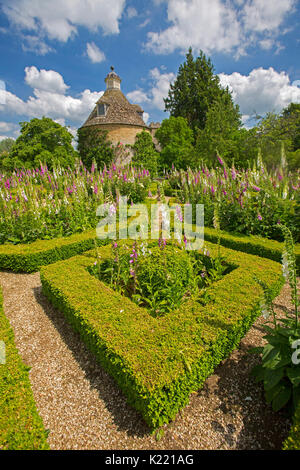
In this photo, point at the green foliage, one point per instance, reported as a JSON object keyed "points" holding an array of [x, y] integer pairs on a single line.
{"points": [[293, 440], [21, 427], [258, 246], [41, 141], [41, 204], [30, 257], [279, 370], [195, 90], [176, 140], [276, 130], [252, 201], [94, 146], [155, 277], [163, 278], [220, 131], [158, 362], [145, 154], [6, 146]]}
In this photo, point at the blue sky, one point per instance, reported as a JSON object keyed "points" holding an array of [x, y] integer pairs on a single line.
{"points": [[55, 55]]}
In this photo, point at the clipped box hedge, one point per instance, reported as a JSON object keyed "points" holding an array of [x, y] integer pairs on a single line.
{"points": [[254, 245], [21, 427], [158, 362], [30, 257]]}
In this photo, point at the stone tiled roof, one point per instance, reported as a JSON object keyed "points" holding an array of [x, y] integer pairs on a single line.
{"points": [[118, 111]]}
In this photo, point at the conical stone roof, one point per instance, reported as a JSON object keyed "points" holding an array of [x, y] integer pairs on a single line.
{"points": [[118, 110]]}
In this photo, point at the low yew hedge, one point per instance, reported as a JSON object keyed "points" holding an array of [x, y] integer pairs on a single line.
{"points": [[258, 246], [158, 362], [21, 427]]}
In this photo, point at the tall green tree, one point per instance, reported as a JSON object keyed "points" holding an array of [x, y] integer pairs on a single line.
{"points": [[176, 140], [145, 154], [41, 141], [94, 146], [220, 134], [195, 90]]}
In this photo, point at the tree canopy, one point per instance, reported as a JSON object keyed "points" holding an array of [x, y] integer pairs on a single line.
{"points": [[176, 140], [41, 141], [144, 153], [195, 90], [6, 145]]}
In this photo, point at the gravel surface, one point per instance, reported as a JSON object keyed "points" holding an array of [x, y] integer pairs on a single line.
{"points": [[84, 409]]}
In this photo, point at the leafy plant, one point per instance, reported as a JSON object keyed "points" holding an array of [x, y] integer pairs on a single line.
{"points": [[279, 371]]}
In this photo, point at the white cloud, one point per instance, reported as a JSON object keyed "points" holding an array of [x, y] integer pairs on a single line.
{"points": [[145, 23], [266, 15], [219, 25], [161, 87], [8, 127], [94, 53], [157, 92], [146, 117], [266, 44], [59, 19], [49, 98], [131, 12], [262, 91], [35, 44], [46, 80], [138, 96]]}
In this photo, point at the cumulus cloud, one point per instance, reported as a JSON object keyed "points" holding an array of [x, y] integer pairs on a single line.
{"points": [[138, 96], [60, 19], [49, 98], [46, 80], [263, 15], [161, 87], [94, 53], [262, 91], [219, 25], [154, 97]]}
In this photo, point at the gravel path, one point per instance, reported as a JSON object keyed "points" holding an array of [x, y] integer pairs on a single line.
{"points": [[83, 408]]}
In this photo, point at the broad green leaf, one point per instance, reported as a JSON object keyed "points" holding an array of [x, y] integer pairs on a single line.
{"points": [[294, 375], [281, 398], [272, 377]]}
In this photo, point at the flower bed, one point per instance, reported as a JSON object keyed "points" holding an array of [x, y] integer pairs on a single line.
{"points": [[21, 427], [250, 201], [158, 362]]}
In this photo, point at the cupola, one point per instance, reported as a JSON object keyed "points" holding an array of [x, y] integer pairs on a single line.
{"points": [[113, 81]]}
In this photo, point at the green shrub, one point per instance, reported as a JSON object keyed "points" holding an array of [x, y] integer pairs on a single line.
{"points": [[21, 427], [158, 362]]}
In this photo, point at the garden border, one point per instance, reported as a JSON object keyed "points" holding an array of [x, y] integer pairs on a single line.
{"points": [[185, 348], [30, 257], [21, 427], [251, 244]]}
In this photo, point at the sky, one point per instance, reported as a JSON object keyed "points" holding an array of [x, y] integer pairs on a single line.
{"points": [[55, 55]]}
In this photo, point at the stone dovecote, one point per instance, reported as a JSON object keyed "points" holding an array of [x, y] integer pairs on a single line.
{"points": [[115, 114]]}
